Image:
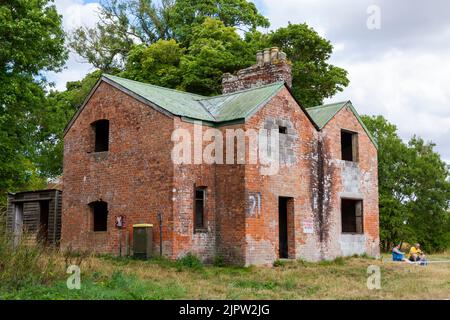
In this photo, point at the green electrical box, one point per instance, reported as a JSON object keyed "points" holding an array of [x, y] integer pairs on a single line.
{"points": [[142, 241]]}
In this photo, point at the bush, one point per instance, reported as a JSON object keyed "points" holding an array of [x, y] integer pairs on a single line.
{"points": [[219, 261], [279, 263], [339, 261], [190, 261]]}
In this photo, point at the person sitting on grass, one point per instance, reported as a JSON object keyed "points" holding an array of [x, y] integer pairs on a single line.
{"points": [[397, 255], [417, 255]]}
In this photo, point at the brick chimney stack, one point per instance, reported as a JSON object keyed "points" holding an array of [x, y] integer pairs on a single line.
{"points": [[271, 66]]}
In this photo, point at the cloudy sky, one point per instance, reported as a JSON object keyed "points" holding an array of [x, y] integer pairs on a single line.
{"points": [[399, 64]]}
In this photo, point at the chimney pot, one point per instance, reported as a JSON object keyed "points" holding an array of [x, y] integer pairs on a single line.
{"points": [[266, 55], [260, 57], [271, 66], [274, 54]]}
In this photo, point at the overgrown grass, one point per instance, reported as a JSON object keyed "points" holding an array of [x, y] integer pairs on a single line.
{"points": [[108, 277], [26, 265]]}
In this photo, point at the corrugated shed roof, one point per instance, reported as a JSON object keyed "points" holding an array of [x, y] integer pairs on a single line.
{"points": [[321, 115]]}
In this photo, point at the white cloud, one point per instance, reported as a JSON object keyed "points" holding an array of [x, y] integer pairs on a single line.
{"points": [[400, 71], [75, 13], [409, 89]]}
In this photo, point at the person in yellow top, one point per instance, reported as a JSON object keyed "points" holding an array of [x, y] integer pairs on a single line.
{"points": [[416, 254]]}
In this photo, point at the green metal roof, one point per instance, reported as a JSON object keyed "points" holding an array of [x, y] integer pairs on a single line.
{"points": [[321, 115], [239, 105], [221, 108], [176, 102]]}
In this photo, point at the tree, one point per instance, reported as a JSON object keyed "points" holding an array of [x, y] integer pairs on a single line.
{"points": [[158, 64], [189, 44], [188, 14], [393, 166], [206, 32], [313, 78], [214, 50], [430, 196], [124, 23], [31, 41], [413, 188], [56, 112]]}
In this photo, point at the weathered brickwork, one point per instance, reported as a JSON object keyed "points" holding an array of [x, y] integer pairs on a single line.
{"points": [[271, 67], [138, 178], [293, 181], [351, 180], [134, 177]]}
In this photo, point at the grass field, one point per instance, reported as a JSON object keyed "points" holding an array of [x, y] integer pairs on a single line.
{"points": [[122, 278]]}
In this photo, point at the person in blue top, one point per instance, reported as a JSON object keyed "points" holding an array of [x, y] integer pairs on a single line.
{"points": [[397, 255]]}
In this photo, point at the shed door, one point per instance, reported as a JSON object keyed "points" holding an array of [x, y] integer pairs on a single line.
{"points": [[44, 207], [18, 222]]}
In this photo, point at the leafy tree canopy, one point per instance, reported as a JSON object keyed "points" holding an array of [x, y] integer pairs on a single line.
{"points": [[31, 41], [127, 22], [313, 77], [414, 189]]}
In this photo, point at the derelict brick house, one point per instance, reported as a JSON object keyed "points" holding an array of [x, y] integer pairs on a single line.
{"points": [[321, 203]]}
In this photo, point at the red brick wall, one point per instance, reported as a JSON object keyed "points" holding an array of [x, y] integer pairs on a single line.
{"points": [[186, 177], [293, 180], [316, 183], [258, 75], [224, 216], [230, 207], [357, 180], [134, 177], [138, 179]]}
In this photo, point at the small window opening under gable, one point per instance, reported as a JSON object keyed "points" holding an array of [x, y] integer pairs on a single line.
{"points": [[349, 146], [101, 133]]}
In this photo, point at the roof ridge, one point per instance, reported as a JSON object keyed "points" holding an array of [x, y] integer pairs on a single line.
{"points": [[329, 105], [198, 96], [206, 109], [153, 85], [241, 91]]}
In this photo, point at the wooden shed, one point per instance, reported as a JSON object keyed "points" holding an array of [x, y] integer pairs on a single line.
{"points": [[37, 213]]}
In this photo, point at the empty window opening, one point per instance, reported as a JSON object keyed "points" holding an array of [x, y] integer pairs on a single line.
{"points": [[101, 131], [44, 207], [349, 145], [100, 213], [199, 210], [352, 216], [282, 130]]}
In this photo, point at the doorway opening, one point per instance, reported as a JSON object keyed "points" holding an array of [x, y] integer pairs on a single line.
{"points": [[285, 215], [44, 211]]}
